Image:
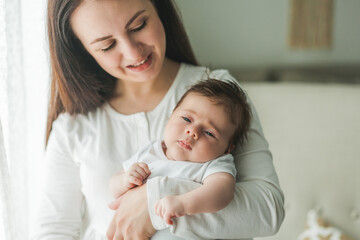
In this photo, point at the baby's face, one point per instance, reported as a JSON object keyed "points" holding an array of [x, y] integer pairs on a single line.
{"points": [[198, 130]]}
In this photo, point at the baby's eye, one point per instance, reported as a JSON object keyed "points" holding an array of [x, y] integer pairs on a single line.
{"points": [[210, 134], [186, 119]]}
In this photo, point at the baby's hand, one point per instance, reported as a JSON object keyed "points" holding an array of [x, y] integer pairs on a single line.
{"points": [[136, 174], [169, 207]]}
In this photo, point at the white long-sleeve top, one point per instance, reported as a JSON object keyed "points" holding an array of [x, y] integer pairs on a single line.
{"points": [[159, 165], [84, 151]]}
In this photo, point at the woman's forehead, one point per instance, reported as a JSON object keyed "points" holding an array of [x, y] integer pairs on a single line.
{"points": [[94, 17]]}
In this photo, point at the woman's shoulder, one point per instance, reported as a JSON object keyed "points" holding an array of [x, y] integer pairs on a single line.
{"points": [[196, 73], [222, 74], [189, 75]]}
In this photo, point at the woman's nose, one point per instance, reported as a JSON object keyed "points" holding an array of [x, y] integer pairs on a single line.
{"points": [[192, 132], [132, 50]]}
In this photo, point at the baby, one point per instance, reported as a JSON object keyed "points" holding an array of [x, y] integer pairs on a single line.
{"points": [[210, 119]]}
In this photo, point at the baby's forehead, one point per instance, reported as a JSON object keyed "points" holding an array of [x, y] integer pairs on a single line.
{"points": [[210, 113], [194, 99]]}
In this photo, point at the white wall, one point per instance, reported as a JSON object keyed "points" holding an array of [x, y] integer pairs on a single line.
{"points": [[313, 130], [253, 33]]}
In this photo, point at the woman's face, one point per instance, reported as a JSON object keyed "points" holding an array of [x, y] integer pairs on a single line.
{"points": [[126, 37]]}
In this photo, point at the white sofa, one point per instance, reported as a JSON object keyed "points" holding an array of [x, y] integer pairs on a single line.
{"points": [[314, 134]]}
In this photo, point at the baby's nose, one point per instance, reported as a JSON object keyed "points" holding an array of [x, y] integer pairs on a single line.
{"points": [[192, 132]]}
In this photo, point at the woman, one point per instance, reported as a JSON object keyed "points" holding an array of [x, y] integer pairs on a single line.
{"points": [[118, 69]]}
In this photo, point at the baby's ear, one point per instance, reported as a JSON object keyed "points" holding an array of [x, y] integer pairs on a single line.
{"points": [[230, 148]]}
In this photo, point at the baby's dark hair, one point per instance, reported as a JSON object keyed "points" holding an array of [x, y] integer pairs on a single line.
{"points": [[234, 100]]}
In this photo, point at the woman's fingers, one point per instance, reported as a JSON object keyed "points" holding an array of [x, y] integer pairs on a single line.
{"points": [[132, 219], [111, 229], [118, 236], [115, 204]]}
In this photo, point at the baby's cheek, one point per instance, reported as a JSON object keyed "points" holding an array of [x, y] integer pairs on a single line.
{"points": [[213, 152], [205, 154]]}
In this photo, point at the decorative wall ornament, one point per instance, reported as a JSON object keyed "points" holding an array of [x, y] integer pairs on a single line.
{"points": [[311, 24]]}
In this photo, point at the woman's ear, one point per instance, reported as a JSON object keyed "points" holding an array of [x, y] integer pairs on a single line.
{"points": [[230, 148]]}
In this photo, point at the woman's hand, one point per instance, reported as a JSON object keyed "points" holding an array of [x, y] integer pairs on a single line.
{"points": [[131, 219]]}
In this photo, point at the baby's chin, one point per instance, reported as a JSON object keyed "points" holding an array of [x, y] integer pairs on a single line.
{"points": [[176, 156], [179, 159]]}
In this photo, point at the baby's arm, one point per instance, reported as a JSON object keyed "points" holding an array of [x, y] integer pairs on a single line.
{"points": [[123, 181], [215, 194]]}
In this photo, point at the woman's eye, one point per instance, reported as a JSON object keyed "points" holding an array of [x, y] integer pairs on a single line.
{"points": [[186, 119], [209, 134], [109, 47], [139, 28]]}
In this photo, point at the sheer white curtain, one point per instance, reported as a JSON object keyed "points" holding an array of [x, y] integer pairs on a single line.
{"points": [[23, 97], [3, 163]]}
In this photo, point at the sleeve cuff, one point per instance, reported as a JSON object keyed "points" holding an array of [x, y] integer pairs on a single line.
{"points": [[153, 196], [126, 165]]}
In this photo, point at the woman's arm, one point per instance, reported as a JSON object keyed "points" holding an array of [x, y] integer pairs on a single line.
{"points": [[257, 209], [117, 185], [60, 202]]}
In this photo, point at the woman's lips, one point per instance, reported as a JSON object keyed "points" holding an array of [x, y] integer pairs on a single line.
{"points": [[184, 144], [142, 65]]}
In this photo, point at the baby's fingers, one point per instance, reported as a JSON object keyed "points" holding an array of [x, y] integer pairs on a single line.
{"points": [[167, 218], [158, 209], [135, 180], [161, 212], [138, 171], [145, 168]]}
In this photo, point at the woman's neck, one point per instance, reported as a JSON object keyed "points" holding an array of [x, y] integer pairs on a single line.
{"points": [[133, 97]]}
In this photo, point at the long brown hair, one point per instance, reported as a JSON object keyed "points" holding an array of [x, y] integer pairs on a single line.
{"points": [[78, 83]]}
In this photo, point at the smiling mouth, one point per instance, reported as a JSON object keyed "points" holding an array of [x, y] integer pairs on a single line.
{"points": [[184, 145], [140, 63]]}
